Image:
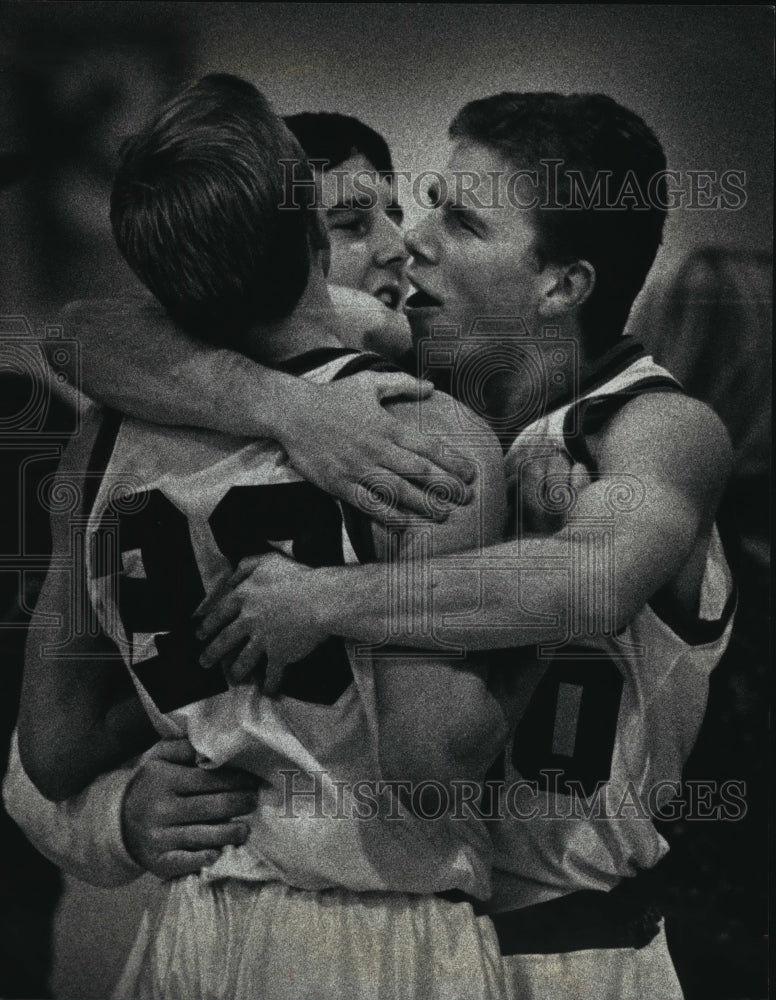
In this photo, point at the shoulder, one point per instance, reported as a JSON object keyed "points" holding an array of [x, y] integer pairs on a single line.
{"points": [[454, 425], [666, 436], [481, 520], [442, 415]]}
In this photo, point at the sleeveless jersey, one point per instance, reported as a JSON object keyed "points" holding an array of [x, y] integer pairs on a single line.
{"points": [[175, 512], [608, 720]]}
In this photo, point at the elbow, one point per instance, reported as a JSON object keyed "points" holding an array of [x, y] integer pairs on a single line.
{"points": [[49, 767]]}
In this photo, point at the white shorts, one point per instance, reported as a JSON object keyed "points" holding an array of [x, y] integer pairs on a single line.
{"points": [[265, 941], [598, 974]]}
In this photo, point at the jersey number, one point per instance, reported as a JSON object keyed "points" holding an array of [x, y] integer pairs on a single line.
{"points": [[160, 585], [569, 726]]}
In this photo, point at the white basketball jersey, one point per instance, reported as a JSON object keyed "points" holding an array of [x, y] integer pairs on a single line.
{"points": [[609, 720], [175, 513]]}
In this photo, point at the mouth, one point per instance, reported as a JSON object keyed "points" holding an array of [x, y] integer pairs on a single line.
{"points": [[389, 295], [421, 299]]}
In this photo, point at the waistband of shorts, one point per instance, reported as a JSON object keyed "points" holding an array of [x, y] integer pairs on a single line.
{"points": [[579, 921]]}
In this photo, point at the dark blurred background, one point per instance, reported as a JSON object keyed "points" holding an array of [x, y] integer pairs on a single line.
{"points": [[77, 78]]}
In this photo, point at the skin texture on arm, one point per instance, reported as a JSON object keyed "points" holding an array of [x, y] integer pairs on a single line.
{"points": [[162, 815], [437, 718], [81, 835], [517, 593], [136, 361], [79, 714]]}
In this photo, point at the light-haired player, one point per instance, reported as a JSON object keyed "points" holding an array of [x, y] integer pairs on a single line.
{"points": [[310, 904], [164, 815]]}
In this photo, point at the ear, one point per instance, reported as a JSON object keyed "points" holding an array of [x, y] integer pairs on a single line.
{"points": [[566, 288]]}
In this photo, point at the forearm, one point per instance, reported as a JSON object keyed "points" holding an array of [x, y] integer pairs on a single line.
{"points": [[589, 578], [79, 714], [511, 594], [81, 835], [214, 389], [63, 751], [168, 378]]}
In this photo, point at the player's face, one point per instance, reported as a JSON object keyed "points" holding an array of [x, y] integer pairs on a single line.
{"points": [[472, 261], [367, 246]]}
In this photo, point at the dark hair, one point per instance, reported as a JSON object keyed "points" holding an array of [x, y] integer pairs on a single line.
{"points": [[195, 209], [593, 136], [335, 138]]}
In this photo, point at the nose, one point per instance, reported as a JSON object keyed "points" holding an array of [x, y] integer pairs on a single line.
{"points": [[389, 246], [421, 243]]}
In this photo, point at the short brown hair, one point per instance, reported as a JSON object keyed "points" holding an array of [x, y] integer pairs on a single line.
{"points": [[195, 209]]}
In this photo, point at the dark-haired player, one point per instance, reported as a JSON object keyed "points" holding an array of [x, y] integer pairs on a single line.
{"points": [[168, 516], [614, 587]]}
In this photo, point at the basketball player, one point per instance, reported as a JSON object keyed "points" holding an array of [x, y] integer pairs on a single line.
{"points": [[196, 211], [354, 178], [166, 816], [614, 588]]}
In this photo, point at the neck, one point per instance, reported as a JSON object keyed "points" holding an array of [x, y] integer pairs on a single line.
{"points": [[561, 361], [312, 324]]}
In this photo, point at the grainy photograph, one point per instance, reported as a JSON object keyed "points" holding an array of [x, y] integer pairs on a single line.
{"points": [[385, 402]]}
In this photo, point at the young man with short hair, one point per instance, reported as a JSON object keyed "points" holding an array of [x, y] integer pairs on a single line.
{"points": [[614, 589], [169, 515], [614, 567], [165, 815]]}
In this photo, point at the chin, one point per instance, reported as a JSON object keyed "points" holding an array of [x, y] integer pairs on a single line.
{"points": [[420, 328]]}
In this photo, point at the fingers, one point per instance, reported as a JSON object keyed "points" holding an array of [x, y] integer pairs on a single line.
{"points": [[198, 781], [251, 657], [386, 494], [193, 809], [208, 836], [390, 385], [175, 864], [174, 751], [220, 592], [228, 642], [273, 678], [192, 848], [429, 455], [244, 569]]}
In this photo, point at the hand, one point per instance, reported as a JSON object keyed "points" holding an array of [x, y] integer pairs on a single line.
{"points": [[342, 439], [176, 817], [260, 617]]}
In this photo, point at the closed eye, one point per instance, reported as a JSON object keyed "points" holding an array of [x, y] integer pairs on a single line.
{"points": [[348, 220], [461, 218]]}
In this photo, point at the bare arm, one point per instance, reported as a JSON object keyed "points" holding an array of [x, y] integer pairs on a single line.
{"points": [[675, 452], [79, 714], [436, 716], [135, 360], [671, 451]]}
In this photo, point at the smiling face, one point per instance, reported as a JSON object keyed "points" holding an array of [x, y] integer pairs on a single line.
{"points": [[471, 261], [367, 248]]}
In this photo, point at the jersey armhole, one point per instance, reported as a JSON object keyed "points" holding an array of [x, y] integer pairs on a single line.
{"points": [[586, 417], [359, 529]]}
